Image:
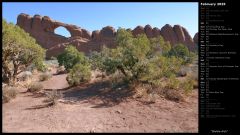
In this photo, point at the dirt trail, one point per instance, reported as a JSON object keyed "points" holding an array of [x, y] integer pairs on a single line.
{"points": [[97, 110]]}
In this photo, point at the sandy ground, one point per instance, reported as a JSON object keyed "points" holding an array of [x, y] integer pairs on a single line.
{"points": [[94, 108]]}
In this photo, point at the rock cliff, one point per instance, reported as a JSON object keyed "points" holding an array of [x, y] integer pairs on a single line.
{"points": [[42, 29]]}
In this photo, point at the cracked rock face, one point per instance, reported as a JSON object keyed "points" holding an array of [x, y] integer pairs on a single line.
{"points": [[42, 29]]}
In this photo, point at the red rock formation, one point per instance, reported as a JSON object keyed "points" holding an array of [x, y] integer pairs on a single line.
{"points": [[188, 40], [96, 35], [148, 31], [195, 38], [138, 30], [42, 29], [156, 32], [168, 34], [86, 34], [107, 32], [24, 21], [179, 32]]}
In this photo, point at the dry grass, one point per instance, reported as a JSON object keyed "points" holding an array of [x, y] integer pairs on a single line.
{"points": [[45, 76], [52, 97], [35, 87], [8, 93], [174, 95]]}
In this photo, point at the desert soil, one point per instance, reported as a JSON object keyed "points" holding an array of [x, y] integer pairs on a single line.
{"points": [[94, 108]]}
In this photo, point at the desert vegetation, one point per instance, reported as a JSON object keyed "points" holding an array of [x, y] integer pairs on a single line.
{"points": [[141, 60], [19, 51], [135, 62], [150, 68]]}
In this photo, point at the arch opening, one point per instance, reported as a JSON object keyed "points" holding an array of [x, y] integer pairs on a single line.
{"points": [[62, 31]]}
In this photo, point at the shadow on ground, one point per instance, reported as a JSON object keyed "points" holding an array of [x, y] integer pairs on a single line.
{"points": [[99, 93]]}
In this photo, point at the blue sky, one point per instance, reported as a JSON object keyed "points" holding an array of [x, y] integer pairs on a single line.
{"points": [[94, 16]]}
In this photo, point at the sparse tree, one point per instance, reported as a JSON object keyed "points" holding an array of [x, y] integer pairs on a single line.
{"points": [[19, 51], [70, 57]]}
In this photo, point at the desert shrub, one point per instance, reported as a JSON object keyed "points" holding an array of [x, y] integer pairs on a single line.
{"points": [[135, 59], [174, 95], [179, 50], [61, 70], [19, 50], [194, 77], [45, 76], [141, 60], [79, 74], [172, 83], [70, 57], [187, 85], [35, 87], [53, 96], [159, 46], [25, 75], [116, 80], [190, 58], [8, 93]]}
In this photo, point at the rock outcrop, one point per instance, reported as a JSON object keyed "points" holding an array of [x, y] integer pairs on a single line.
{"points": [[156, 32], [42, 29], [148, 31], [168, 34], [138, 30], [195, 38], [107, 32], [96, 35]]}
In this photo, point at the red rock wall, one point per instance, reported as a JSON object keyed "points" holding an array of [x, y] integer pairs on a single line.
{"points": [[42, 29]]}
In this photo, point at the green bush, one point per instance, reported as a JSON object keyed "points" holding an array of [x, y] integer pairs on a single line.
{"points": [[8, 93], [70, 57], [138, 59], [35, 87], [142, 60], [19, 50], [172, 83], [188, 86], [179, 50], [45, 76], [159, 46], [79, 74]]}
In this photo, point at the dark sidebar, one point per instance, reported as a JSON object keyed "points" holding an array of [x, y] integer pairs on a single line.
{"points": [[219, 67]]}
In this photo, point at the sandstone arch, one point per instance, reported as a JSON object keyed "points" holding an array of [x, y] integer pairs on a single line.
{"points": [[42, 29], [62, 31]]}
